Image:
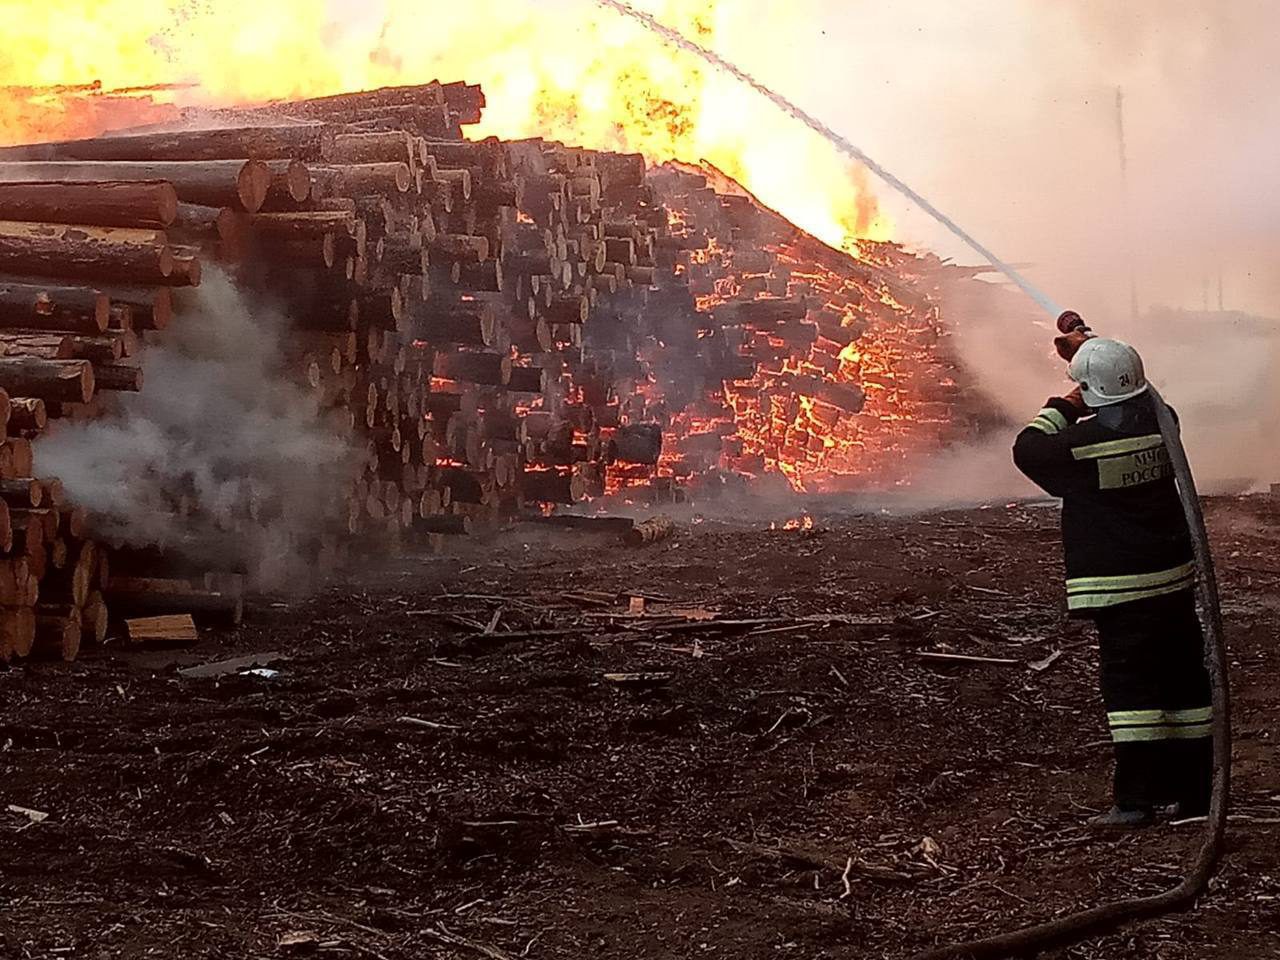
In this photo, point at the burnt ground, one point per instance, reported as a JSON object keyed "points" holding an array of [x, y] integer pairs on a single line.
{"points": [[409, 786]]}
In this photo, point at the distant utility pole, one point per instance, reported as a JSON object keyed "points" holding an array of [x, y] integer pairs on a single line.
{"points": [[1124, 192]]}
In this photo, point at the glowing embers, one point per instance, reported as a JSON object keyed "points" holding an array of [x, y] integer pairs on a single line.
{"points": [[795, 523], [832, 412]]}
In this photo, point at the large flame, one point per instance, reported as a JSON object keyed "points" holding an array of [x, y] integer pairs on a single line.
{"points": [[561, 69]]}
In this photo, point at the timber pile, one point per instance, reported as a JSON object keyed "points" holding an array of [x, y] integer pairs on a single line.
{"points": [[847, 369], [87, 267], [500, 328]]}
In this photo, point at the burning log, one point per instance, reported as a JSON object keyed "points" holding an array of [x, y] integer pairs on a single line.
{"points": [[483, 368], [85, 253], [847, 397], [214, 183], [762, 314], [466, 486], [551, 486], [510, 324], [639, 443], [109, 203], [527, 380]]}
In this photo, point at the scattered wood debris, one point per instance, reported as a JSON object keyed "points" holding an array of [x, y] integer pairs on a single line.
{"points": [[234, 665], [35, 816], [645, 681], [653, 530], [175, 630]]}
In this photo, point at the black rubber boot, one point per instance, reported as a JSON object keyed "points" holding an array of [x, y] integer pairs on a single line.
{"points": [[1118, 818]]}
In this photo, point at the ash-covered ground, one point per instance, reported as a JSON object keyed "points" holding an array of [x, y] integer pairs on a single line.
{"points": [[497, 754]]}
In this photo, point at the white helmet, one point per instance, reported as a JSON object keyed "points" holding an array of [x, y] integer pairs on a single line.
{"points": [[1108, 371]]}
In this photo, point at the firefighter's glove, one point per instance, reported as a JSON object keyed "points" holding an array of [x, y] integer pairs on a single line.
{"points": [[1076, 400], [1069, 343]]}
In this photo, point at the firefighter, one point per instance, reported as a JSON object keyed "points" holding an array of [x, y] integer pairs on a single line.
{"points": [[1130, 570]]}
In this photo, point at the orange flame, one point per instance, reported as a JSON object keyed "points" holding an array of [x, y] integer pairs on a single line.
{"points": [[554, 69]]}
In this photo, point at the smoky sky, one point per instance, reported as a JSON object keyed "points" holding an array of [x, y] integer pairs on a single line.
{"points": [[1003, 112]]}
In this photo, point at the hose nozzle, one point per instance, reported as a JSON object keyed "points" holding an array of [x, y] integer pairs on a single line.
{"points": [[1074, 333], [1070, 322]]}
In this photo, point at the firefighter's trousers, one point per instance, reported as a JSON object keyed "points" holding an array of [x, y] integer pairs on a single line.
{"points": [[1159, 705]]}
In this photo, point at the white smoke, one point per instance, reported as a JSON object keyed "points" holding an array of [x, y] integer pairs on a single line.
{"points": [[219, 431]]}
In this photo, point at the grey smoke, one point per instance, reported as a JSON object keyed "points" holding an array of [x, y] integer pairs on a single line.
{"points": [[218, 424]]}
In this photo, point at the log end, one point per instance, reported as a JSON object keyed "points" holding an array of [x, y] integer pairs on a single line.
{"points": [[87, 382], [253, 184], [187, 271], [17, 632], [165, 260], [102, 307], [298, 179], [166, 204]]}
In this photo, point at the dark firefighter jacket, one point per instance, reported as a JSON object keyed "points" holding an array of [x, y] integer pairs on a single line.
{"points": [[1123, 530]]}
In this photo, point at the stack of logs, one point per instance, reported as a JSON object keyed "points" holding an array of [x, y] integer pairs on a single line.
{"points": [[849, 373], [500, 328], [85, 267], [442, 291]]}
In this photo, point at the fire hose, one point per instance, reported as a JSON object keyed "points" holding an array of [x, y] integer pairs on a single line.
{"points": [[1108, 916]]}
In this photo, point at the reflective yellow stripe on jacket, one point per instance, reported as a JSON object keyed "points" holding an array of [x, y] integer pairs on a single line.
{"points": [[1049, 421], [1115, 448], [1094, 593], [1137, 726]]}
